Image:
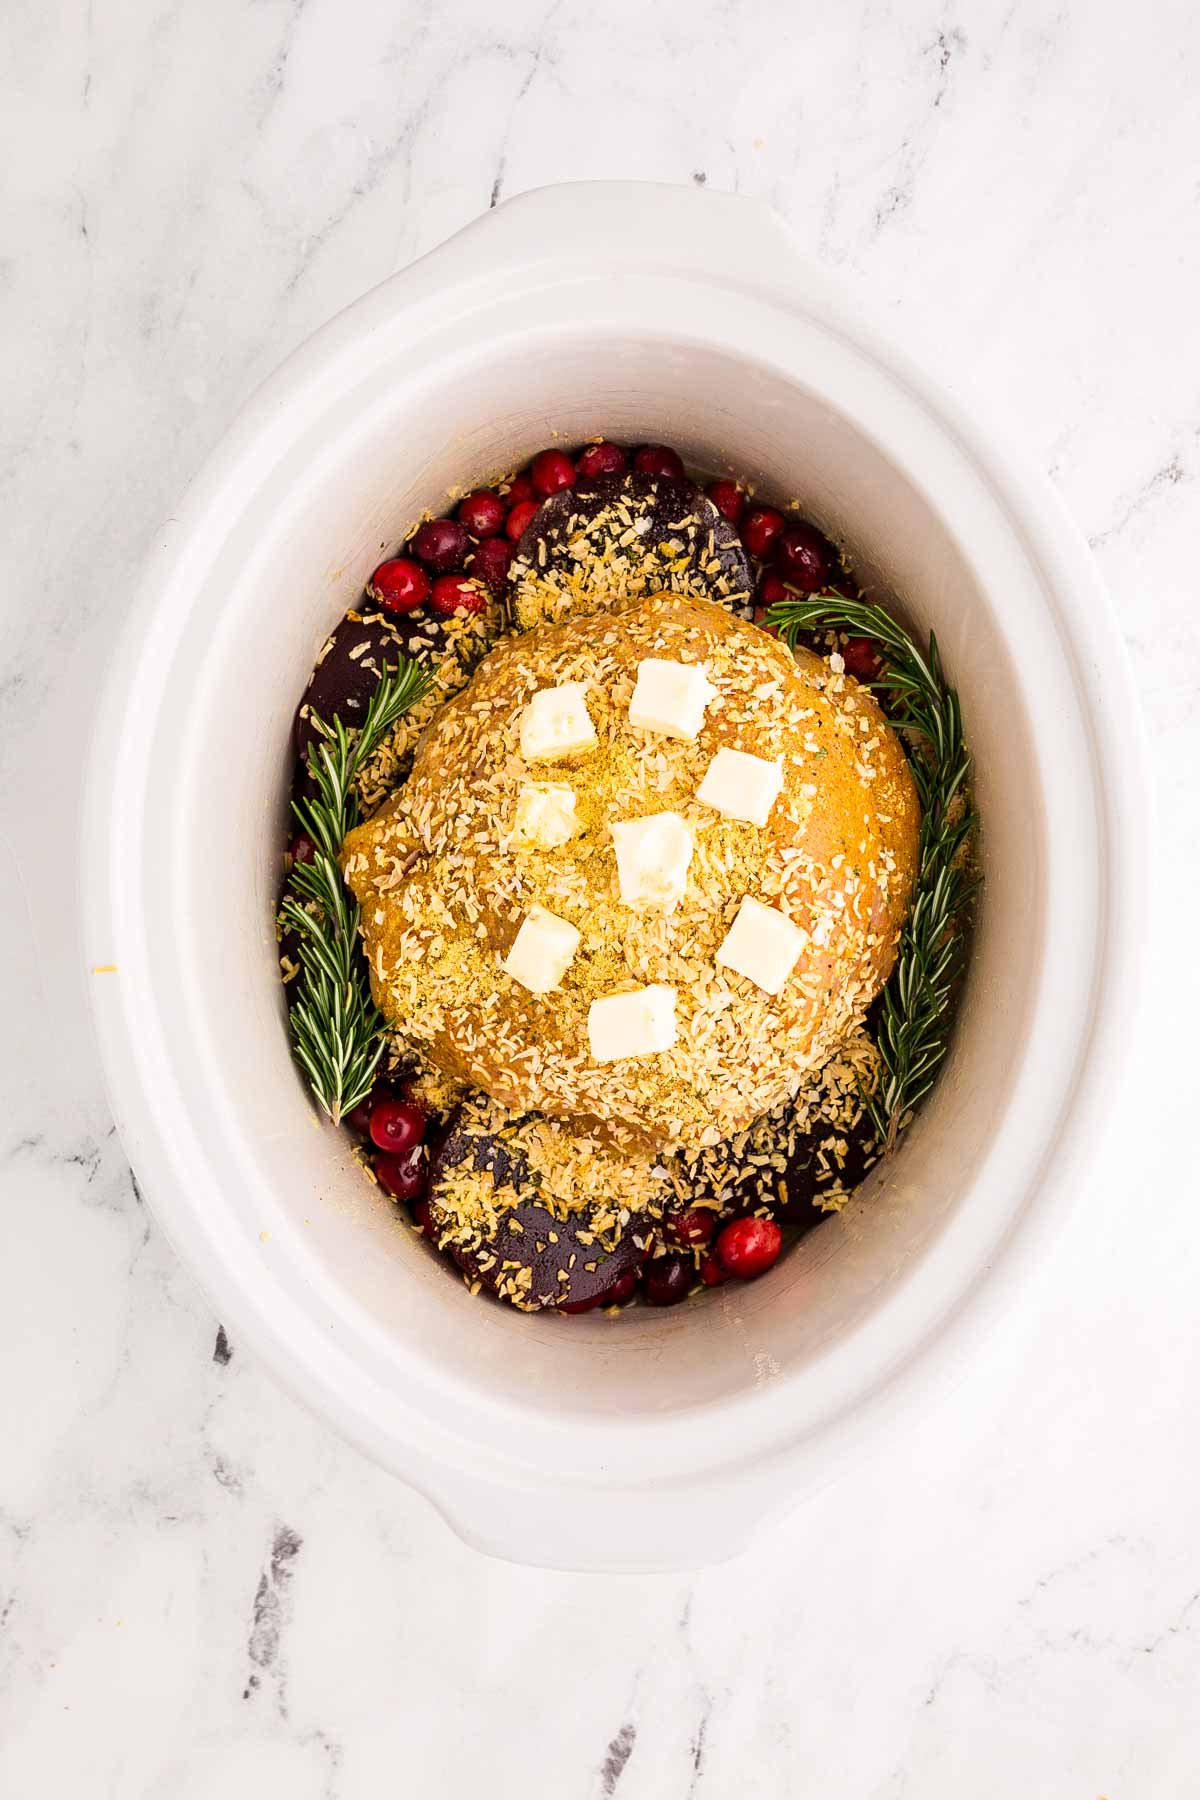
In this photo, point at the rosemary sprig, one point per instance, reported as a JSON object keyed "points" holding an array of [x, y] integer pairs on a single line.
{"points": [[914, 1019], [337, 1031]]}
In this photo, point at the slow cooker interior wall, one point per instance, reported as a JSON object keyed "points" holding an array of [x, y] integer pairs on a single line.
{"points": [[368, 475]]}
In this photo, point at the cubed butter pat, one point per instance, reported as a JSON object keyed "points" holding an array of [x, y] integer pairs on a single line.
{"points": [[742, 786], [763, 945], [556, 723], [542, 951], [670, 697], [652, 860], [545, 814], [641, 1023]]}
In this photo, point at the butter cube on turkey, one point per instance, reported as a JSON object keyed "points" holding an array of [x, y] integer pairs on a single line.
{"points": [[762, 944], [742, 786], [653, 855], [638, 1023], [556, 723], [542, 951], [670, 697], [545, 814]]}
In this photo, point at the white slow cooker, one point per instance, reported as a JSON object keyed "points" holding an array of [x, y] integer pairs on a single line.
{"points": [[658, 1438]]}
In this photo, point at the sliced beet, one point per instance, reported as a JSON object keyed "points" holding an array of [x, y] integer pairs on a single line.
{"points": [[543, 1244], [359, 649], [814, 1168], [351, 668], [463, 1141], [607, 507], [811, 1169]]}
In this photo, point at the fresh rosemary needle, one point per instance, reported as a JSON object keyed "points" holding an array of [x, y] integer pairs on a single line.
{"points": [[337, 1030], [913, 1034]]}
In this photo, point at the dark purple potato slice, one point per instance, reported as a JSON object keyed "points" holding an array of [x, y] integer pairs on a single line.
{"points": [[543, 1244], [608, 505]]}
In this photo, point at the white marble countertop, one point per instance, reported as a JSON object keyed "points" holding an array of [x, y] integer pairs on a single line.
{"points": [[202, 1592]]}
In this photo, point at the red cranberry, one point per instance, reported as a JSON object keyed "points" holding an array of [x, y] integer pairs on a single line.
{"points": [[457, 594], [359, 1117], [520, 517], [861, 658], [614, 1296], [712, 1274], [601, 459], [396, 1125], [302, 849], [622, 1289], [519, 488], [483, 513], [550, 471], [490, 563], [659, 459], [404, 1177], [771, 590], [442, 543], [666, 1279], [805, 557], [422, 1214], [728, 499], [399, 586], [761, 528], [748, 1247], [693, 1227]]}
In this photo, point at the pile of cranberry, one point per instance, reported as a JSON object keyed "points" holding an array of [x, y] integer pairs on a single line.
{"points": [[453, 565]]}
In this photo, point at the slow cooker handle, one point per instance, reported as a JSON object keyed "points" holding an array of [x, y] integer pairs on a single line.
{"points": [[656, 1528], [736, 239]]}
